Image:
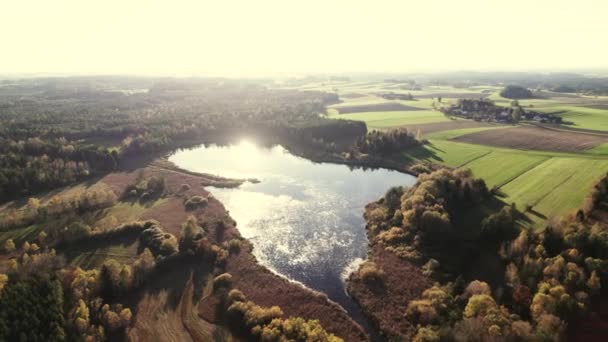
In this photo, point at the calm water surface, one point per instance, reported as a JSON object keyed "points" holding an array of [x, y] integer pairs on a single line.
{"points": [[304, 219]]}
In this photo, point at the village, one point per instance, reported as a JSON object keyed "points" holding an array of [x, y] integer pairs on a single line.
{"points": [[487, 110]]}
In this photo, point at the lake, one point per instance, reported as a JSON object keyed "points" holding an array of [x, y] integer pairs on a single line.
{"points": [[305, 219]]}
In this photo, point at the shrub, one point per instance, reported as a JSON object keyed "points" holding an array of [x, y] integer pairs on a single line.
{"points": [[479, 306], [195, 202], [159, 242], [477, 287], [9, 245], [430, 267], [222, 280], [420, 168], [370, 273], [250, 315], [426, 334], [293, 329], [190, 235], [421, 311], [146, 188], [236, 296], [234, 245]]}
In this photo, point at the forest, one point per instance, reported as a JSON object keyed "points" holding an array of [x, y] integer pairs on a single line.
{"points": [[54, 132]]}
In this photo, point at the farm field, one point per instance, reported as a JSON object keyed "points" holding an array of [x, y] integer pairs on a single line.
{"points": [[379, 107], [599, 150], [379, 120], [582, 117], [555, 183], [453, 130], [535, 138], [512, 165], [555, 186]]}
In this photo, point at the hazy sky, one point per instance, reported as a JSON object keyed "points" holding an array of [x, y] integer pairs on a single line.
{"points": [[283, 36]]}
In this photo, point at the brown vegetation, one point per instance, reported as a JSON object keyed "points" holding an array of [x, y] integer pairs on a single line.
{"points": [[267, 289], [534, 138], [385, 302]]}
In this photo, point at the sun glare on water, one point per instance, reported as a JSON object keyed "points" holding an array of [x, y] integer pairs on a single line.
{"points": [[247, 153]]}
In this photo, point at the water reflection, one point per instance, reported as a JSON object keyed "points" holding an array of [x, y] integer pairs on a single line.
{"points": [[304, 219]]}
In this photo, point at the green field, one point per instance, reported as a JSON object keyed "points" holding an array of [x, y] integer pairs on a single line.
{"points": [[454, 133], [512, 165], [380, 120], [447, 152], [556, 186], [599, 150], [583, 117]]}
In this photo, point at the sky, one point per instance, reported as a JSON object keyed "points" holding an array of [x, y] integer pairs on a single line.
{"points": [[259, 37]]}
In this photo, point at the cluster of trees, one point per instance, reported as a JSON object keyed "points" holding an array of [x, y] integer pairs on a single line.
{"points": [[36, 211], [43, 300], [32, 310], [195, 202], [382, 142], [516, 92], [487, 110], [598, 193], [116, 279], [549, 276], [33, 165], [190, 236], [465, 313], [146, 188], [267, 324], [425, 215], [160, 242]]}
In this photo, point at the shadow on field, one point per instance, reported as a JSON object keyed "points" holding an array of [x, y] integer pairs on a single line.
{"points": [[537, 214], [172, 276], [425, 152]]}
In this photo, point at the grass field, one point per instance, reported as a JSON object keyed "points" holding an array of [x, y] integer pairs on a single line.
{"points": [[555, 186], [447, 153], [379, 120], [583, 117], [599, 150], [454, 133], [512, 165]]}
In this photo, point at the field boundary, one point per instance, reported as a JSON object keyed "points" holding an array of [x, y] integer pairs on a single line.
{"points": [[476, 158], [530, 169], [521, 173], [568, 129], [535, 203]]}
